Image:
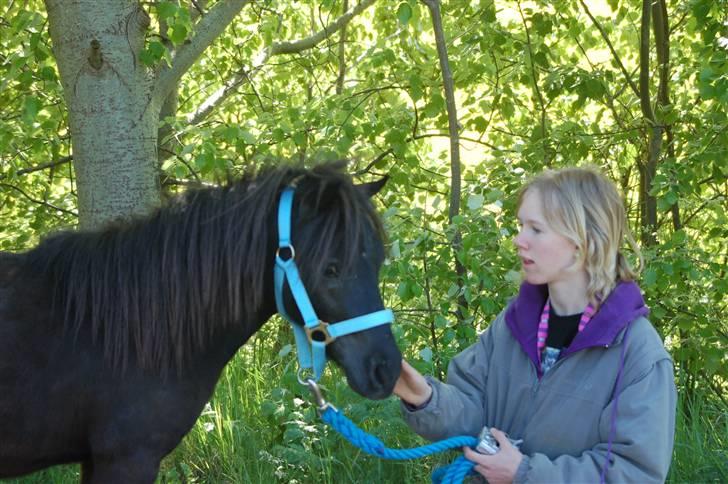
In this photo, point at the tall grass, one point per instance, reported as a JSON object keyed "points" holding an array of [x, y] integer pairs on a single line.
{"points": [[701, 441], [261, 428]]}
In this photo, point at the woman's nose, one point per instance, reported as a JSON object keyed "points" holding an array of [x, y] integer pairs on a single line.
{"points": [[518, 241]]}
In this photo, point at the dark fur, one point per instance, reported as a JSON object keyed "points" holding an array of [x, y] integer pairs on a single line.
{"points": [[102, 333]]}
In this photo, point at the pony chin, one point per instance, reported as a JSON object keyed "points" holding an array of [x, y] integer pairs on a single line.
{"points": [[375, 376], [369, 389]]}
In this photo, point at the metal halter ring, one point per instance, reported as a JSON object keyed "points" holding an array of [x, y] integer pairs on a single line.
{"points": [[303, 375], [289, 247], [319, 333]]}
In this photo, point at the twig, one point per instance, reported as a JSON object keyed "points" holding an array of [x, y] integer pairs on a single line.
{"points": [[39, 202]]}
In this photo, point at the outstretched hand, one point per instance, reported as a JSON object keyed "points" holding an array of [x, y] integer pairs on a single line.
{"points": [[501, 467], [411, 386]]}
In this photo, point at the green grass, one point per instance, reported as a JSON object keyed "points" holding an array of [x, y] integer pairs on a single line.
{"points": [[701, 443], [261, 428]]}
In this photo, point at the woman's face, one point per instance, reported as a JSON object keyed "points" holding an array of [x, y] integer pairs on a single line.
{"points": [[546, 256]]}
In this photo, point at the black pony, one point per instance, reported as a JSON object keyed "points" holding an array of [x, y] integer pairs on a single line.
{"points": [[111, 342]]}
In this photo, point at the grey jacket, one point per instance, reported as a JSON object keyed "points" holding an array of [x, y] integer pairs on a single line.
{"points": [[565, 416]]}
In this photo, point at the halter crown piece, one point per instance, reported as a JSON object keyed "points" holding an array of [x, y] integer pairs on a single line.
{"points": [[314, 335]]}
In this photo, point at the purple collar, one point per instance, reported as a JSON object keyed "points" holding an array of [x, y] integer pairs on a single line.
{"points": [[623, 305]]}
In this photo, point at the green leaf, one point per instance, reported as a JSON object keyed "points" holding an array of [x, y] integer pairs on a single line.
{"points": [[650, 277], [268, 408], [293, 434], [541, 59], [404, 292], [285, 351], [248, 137], [278, 135], [299, 137], [426, 354], [178, 33], [31, 108], [48, 73], [513, 277], [166, 10], [153, 53], [701, 9], [404, 13], [394, 250], [475, 201]]}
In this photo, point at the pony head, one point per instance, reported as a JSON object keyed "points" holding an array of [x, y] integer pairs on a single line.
{"points": [[339, 250]]}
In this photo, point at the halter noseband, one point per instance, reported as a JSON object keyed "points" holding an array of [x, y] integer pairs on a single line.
{"points": [[314, 335]]}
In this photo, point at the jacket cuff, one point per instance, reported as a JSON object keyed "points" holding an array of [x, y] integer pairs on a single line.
{"points": [[413, 408], [522, 471]]}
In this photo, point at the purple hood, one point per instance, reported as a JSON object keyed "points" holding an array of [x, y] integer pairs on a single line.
{"points": [[623, 305]]}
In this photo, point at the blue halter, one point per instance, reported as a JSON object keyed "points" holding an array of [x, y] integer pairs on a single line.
{"points": [[314, 335]]}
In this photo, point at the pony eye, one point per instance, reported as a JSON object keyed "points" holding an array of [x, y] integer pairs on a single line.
{"points": [[332, 270]]}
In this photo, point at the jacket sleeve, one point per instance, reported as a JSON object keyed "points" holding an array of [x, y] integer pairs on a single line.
{"points": [[456, 407], [642, 444]]}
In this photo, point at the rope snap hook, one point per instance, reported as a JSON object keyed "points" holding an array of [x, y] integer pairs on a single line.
{"points": [[318, 397]]}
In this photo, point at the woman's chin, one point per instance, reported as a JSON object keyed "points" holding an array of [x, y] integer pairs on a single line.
{"points": [[533, 279]]}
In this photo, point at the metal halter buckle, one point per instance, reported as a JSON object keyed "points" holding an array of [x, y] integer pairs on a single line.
{"points": [[319, 333]]}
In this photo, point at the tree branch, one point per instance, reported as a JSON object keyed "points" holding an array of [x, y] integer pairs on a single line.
{"points": [[342, 55], [309, 42], [454, 131], [534, 74], [654, 146], [209, 27], [43, 166], [644, 97], [293, 47], [627, 77], [39, 202]]}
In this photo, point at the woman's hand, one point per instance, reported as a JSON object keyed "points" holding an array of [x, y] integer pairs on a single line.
{"points": [[501, 467], [412, 386]]}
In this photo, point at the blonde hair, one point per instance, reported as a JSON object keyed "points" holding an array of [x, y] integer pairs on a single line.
{"points": [[584, 206]]}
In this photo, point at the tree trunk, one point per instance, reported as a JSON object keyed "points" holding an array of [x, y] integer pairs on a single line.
{"points": [[648, 168], [112, 118], [114, 101]]}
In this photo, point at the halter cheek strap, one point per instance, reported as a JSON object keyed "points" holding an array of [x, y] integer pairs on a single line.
{"points": [[314, 335]]}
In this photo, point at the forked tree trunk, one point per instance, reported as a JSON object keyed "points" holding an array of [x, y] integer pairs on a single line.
{"points": [[114, 101]]}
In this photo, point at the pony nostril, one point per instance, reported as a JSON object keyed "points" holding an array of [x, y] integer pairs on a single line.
{"points": [[380, 372]]}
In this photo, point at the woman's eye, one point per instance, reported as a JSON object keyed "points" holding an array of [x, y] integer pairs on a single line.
{"points": [[332, 270]]}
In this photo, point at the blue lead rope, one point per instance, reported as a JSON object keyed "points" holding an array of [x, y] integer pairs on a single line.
{"points": [[452, 474]]}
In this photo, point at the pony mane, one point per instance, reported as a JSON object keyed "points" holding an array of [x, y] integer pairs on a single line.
{"points": [[157, 289]]}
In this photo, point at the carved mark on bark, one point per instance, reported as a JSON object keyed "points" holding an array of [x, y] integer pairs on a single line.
{"points": [[95, 58]]}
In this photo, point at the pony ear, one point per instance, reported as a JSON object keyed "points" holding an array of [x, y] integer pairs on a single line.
{"points": [[372, 188]]}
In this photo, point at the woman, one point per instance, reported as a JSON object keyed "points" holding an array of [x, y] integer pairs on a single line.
{"points": [[571, 367]]}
